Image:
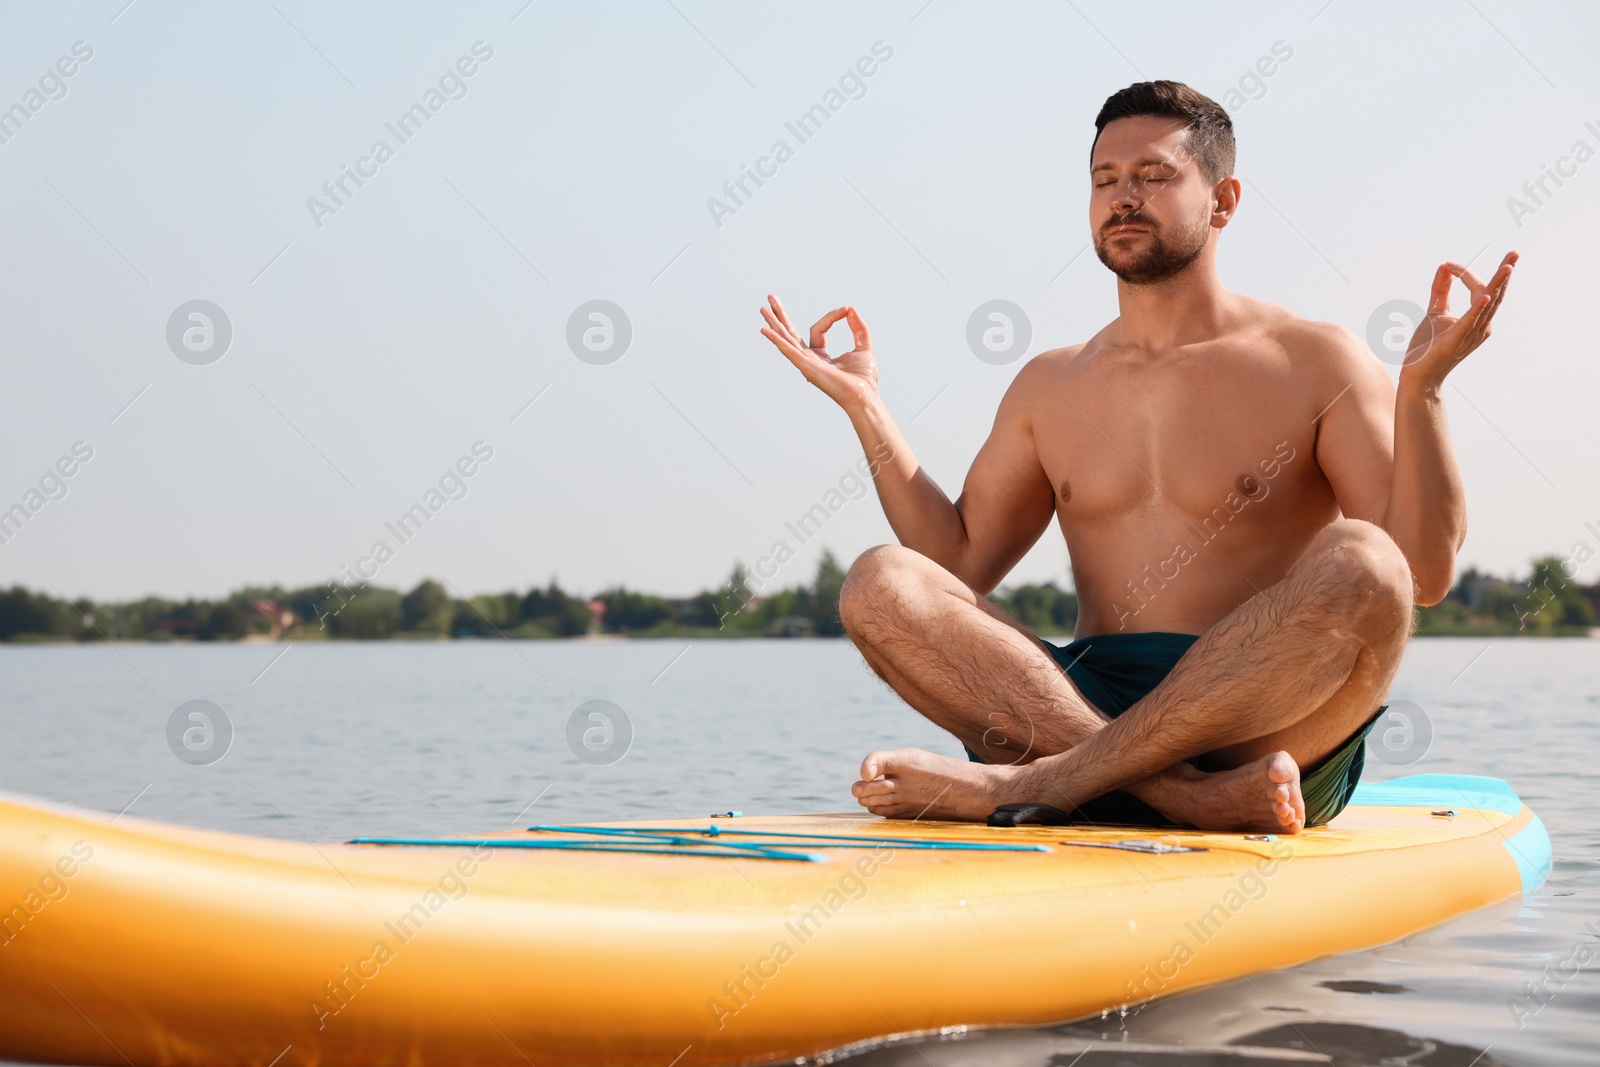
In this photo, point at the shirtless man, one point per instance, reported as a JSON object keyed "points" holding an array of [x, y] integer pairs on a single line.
{"points": [[1250, 506]]}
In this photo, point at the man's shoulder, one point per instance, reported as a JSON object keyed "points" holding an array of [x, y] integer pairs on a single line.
{"points": [[1312, 343], [1330, 359], [1047, 366], [1037, 378], [1054, 359]]}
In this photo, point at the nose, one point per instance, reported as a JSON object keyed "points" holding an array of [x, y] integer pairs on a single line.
{"points": [[1126, 201]]}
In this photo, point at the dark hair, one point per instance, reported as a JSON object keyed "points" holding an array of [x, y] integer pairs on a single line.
{"points": [[1210, 128]]}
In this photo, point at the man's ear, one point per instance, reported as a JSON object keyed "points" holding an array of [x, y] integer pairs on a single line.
{"points": [[1225, 201]]}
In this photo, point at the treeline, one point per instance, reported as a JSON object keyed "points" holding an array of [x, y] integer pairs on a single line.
{"points": [[333, 611], [1549, 602]]}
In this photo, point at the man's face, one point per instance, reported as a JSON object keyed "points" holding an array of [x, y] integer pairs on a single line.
{"points": [[1150, 207]]}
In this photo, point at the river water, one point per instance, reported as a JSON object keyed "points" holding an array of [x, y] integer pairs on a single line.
{"points": [[329, 742]]}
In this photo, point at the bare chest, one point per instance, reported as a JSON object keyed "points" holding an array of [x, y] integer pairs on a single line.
{"points": [[1177, 439]]}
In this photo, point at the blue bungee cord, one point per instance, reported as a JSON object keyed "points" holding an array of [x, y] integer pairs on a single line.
{"points": [[697, 842]]}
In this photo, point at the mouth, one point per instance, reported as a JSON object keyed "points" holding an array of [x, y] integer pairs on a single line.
{"points": [[1127, 230]]}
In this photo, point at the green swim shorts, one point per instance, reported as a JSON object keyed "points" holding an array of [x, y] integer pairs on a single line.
{"points": [[1115, 671]]}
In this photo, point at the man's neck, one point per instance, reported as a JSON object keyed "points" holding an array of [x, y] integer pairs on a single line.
{"points": [[1190, 307]]}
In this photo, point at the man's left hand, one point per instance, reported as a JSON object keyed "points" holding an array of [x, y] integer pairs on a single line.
{"points": [[1442, 340]]}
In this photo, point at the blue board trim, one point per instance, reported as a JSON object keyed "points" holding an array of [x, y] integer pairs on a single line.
{"points": [[1440, 791], [1529, 847]]}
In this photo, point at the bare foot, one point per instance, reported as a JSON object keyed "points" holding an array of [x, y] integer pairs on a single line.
{"points": [[1259, 797], [909, 783]]}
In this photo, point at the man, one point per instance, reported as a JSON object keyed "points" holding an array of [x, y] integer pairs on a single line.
{"points": [[1250, 507]]}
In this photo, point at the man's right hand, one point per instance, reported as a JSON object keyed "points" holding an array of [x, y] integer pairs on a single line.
{"points": [[851, 379], [1007, 502]]}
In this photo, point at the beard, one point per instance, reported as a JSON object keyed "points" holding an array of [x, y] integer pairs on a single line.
{"points": [[1162, 257]]}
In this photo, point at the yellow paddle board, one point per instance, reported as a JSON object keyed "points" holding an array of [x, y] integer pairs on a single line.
{"points": [[717, 941]]}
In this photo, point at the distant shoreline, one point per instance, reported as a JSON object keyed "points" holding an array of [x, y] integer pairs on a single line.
{"points": [[52, 641], [1548, 603]]}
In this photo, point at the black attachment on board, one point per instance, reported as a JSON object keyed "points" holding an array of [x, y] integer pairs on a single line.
{"points": [[1020, 814], [1115, 808]]}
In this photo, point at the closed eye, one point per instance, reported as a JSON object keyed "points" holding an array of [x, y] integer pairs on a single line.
{"points": [[1102, 185]]}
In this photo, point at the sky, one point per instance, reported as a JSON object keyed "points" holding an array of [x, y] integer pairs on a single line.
{"points": [[428, 330]]}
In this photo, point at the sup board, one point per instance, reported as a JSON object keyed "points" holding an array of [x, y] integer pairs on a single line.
{"points": [[683, 942]]}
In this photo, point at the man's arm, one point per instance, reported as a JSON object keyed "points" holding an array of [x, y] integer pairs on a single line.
{"points": [[1387, 452], [1007, 501]]}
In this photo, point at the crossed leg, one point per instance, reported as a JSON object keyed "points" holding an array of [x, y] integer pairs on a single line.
{"points": [[1278, 683]]}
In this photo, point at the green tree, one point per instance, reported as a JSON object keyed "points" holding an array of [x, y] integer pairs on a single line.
{"points": [[369, 613], [427, 608], [825, 589], [628, 612], [555, 611], [219, 622], [36, 615], [1553, 599], [1461, 592], [1046, 608], [728, 607]]}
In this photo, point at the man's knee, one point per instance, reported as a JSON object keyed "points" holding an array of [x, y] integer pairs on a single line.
{"points": [[878, 587], [1363, 572]]}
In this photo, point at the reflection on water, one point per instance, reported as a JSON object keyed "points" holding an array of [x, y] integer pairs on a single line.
{"points": [[338, 741], [1300, 1043]]}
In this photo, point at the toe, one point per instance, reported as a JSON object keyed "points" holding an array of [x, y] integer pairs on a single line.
{"points": [[1282, 768]]}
